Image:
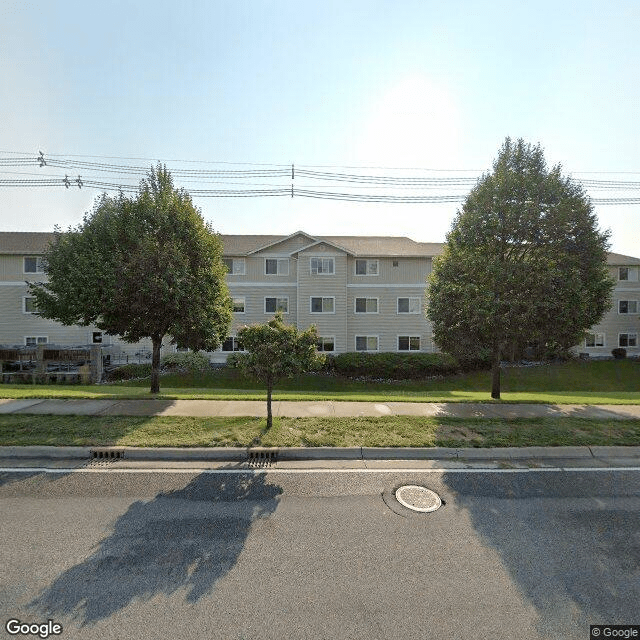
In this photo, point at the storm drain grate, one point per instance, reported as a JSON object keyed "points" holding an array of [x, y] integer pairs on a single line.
{"points": [[418, 498], [106, 454], [262, 457]]}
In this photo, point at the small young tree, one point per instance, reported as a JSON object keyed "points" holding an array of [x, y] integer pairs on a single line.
{"points": [[276, 350], [524, 262], [141, 267]]}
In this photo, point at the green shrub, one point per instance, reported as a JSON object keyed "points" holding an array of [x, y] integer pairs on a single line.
{"points": [[398, 366], [619, 353], [129, 372], [232, 360], [185, 362]]}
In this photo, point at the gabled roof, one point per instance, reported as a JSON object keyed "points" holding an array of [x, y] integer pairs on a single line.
{"points": [[616, 259], [24, 242], [390, 246], [281, 239], [35, 242]]}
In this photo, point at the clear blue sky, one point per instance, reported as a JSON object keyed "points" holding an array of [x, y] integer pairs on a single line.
{"points": [[417, 84]]}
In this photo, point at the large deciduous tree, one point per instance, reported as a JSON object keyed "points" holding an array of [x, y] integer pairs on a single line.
{"points": [[524, 263], [140, 267], [274, 351]]}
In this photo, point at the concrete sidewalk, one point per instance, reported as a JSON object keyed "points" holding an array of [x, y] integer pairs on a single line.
{"points": [[258, 408]]}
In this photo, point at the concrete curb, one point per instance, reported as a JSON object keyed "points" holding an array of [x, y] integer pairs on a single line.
{"points": [[615, 452], [325, 453], [45, 452]]}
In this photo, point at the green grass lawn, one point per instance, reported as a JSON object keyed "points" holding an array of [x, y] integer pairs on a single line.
{"points": [[391, 431], [578, 382]]}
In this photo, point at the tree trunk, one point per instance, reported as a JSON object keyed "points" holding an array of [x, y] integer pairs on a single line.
{"points": [[269, 416], [495, 374], [155, 365]]}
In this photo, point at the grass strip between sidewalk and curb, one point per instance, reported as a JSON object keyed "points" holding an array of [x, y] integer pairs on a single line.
{"points": [[24, 392], [388, 431]]}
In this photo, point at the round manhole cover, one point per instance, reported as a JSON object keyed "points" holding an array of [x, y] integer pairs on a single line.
{"points": [[418, 498]]}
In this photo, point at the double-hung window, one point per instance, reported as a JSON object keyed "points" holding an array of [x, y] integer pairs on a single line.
{"points": [[366, 267], [323, 305], [322, 266], [409, 305], [232, 344], [276, 266], [627, 306], [33, 264], [29, 305], [273, 305], [366, 343], [235, 266], [326, 344], [627, 339], [238, 305], [366, 305], [628, 274], [408, 343], [594, 340]]}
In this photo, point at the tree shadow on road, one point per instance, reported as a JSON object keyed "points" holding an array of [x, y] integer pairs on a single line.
{"points": [[172, 543], [576, 561]]}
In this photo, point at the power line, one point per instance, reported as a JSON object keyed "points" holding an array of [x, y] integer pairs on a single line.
{"points": [[95, 175]]}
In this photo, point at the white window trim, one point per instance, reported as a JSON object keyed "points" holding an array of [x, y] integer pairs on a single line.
{"points": [[409, 350], [38, 264], [372, 313], [367, 274], [627, 313], [376, 350], [244, 303], [333, 339], [317, 313], [24, 305], [596, 334], [628, 333], [239, 261], [278, 261], [36, 339], [276, 299], [408, 313], [235, 339], [322, 273]]}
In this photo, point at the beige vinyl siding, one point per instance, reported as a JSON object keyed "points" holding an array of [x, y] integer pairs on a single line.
{"points": [[409, 270], [254, 303], [255, 270], [15, 325], [290, 245], [12, 269], [387, 324], [323, 286], [614, 323]]}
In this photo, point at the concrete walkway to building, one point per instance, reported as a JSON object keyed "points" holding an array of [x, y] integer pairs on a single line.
{"points": [[258, 408]]}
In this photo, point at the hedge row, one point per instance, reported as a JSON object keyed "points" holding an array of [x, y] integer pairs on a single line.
{"points": [[399, 366]]}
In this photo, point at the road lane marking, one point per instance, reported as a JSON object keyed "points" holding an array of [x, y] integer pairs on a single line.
{"points": [[303, 471]]}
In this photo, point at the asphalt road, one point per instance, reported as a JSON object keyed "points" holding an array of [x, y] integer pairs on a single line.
{"points": [[521, 554]]}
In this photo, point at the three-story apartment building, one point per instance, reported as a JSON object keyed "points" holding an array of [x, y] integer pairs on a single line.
{"points": [[363, 293]]}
